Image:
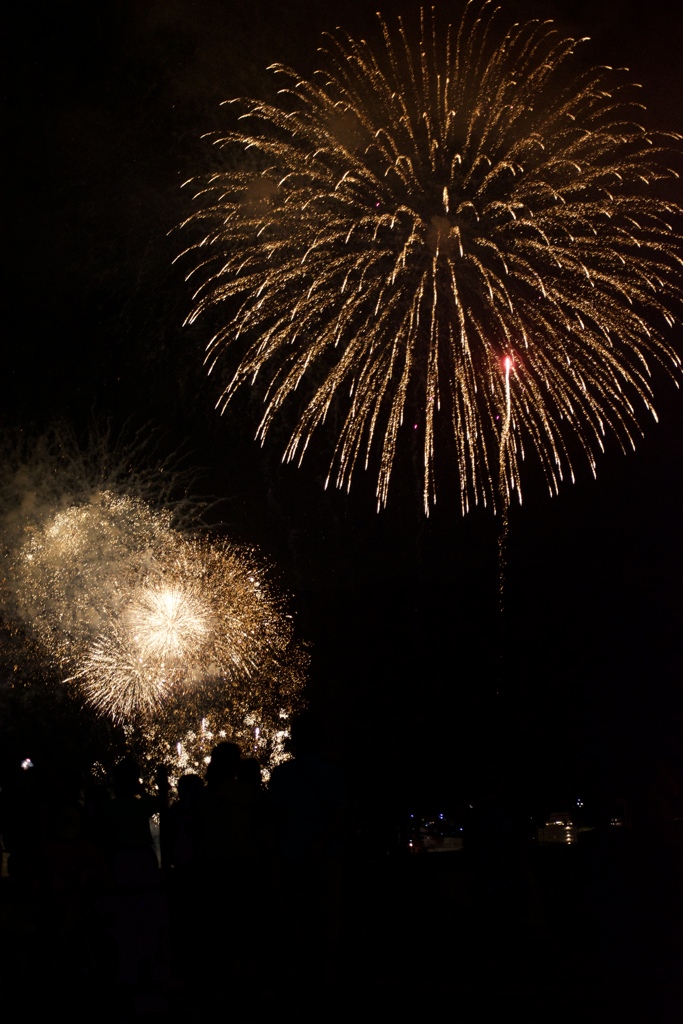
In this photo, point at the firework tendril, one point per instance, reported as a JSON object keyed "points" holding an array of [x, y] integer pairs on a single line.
{"points": [[421, 211]]}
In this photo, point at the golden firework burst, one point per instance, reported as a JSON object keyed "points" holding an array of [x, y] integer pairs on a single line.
{"points": [[448, 232]]}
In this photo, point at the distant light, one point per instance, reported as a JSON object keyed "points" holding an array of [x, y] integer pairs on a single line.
{"points": [[27, 763]]}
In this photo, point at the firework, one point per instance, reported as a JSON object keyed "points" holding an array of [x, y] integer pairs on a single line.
{"points": [[202, 620], [158, 627], [73, 572], [420, 212], [116, 681]]}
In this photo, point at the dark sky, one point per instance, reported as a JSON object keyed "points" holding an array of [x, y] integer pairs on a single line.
{"points": [[106, 105]]}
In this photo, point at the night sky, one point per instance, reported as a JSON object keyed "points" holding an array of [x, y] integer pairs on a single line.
{"points": [[107, 103]]}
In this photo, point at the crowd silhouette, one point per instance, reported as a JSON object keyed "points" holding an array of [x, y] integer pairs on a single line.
{"points": [[130, 905], [235, 898]]}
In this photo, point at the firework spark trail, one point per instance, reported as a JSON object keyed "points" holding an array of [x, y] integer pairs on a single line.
{"points": [[503, 483], [417, 210]]}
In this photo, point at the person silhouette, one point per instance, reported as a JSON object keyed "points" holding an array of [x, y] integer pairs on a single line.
{"points": [[309, 802]]}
